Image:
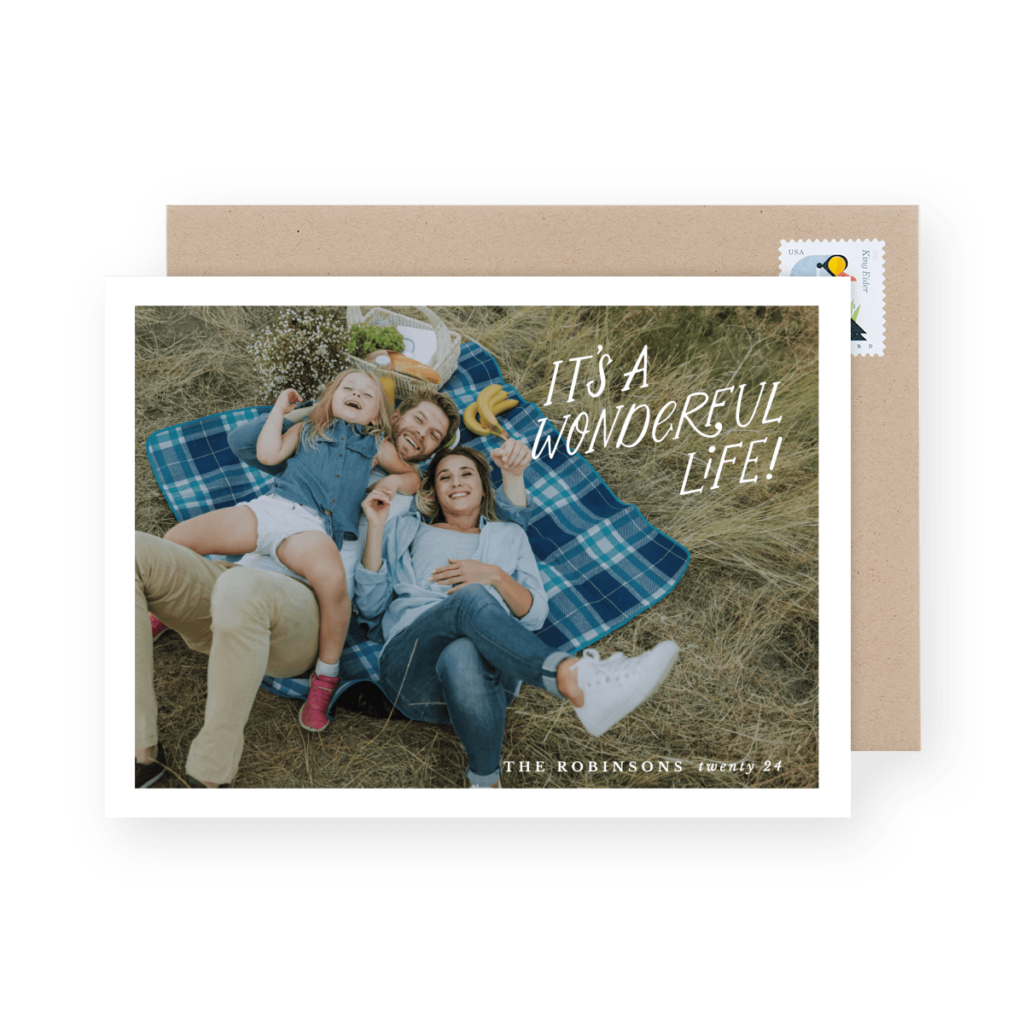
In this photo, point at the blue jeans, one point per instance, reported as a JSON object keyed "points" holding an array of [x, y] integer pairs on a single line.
{"points": [[458, 663]]}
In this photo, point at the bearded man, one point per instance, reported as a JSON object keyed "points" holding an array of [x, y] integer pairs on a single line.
{"points": [[256, 618]]}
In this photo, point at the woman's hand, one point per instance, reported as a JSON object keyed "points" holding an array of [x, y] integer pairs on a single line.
{"points": [[512, 457], [287, 400], [460, 572], [376, 506]]}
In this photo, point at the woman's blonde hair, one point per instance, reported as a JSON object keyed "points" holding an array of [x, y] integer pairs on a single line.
{"points": [[321, 416], [426, 496]]}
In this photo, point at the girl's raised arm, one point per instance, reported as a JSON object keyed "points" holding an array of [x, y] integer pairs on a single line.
{"points": [[273, 447]]}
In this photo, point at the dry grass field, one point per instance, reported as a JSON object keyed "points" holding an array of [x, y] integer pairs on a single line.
{"points": [[745, 614]]}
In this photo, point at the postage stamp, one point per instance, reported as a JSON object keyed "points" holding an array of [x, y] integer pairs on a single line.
{"points": [[863, 263]]}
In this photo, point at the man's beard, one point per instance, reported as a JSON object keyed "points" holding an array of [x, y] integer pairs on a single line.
{"points": [[408, 449]]}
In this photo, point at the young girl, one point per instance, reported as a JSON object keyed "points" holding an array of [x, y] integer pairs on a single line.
{"points": [[311, 507]]}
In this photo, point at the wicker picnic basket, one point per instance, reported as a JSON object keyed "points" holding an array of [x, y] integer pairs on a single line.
{"points": [[444, 361]]}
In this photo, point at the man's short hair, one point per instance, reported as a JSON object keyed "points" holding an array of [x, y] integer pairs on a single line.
{"points": [[443, 402]]}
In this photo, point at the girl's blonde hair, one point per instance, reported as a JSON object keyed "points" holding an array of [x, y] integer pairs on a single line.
{"points": [[426, 496], [321, 416]]}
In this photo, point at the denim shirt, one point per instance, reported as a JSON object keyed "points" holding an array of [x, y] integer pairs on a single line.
{"points": [[330, 477], [242, 441], [390, 599]]}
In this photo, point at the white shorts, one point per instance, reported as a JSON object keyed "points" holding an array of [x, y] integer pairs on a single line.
{"points": [[277, 519], [351, 550]]}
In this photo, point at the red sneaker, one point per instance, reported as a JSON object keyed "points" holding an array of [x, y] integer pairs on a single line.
{"points": [[158, 627], [313, 715]]}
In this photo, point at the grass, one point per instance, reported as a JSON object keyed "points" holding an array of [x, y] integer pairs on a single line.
{"points": [[745, 613]]}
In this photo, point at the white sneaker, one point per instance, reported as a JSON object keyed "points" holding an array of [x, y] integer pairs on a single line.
{"points": [[613, 688]]}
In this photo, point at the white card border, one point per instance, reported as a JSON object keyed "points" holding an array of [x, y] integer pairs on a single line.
{"points": [[830, 799]]}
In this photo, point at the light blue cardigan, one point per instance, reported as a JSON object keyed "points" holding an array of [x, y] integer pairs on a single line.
{"points": [[390, 599]]}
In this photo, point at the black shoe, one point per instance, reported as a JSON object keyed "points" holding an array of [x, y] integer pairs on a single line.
{"points": [[191, 783], [147, 774]]}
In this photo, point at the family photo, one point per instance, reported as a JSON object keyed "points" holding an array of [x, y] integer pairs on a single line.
{"points": [[476, 547]]}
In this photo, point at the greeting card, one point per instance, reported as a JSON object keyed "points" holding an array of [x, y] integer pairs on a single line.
{"points": [[621, 586]]}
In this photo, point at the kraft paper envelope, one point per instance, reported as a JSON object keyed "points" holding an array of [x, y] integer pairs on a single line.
{"points": [[740, 241]]}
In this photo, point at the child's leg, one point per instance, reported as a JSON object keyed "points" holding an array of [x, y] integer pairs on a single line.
{"points": [[315, 557], [227, 531]]}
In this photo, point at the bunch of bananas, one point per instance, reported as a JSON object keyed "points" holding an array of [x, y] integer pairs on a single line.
{"points": [[481, 416]]}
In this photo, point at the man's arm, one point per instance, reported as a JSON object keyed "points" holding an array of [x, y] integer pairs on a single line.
{"points": [[403, 483], [402, 478]]}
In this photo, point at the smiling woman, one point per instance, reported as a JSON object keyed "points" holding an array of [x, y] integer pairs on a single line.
{"points": [[459, 488], [457, 596]]}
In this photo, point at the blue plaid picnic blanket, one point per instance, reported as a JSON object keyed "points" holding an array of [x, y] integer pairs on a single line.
{"points": [[601, 561]]}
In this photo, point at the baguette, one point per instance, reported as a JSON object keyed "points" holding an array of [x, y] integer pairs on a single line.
{"points": [[403, 364]]}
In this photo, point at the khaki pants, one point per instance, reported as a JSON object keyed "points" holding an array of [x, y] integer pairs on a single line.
{"points": [[250, 622]]}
